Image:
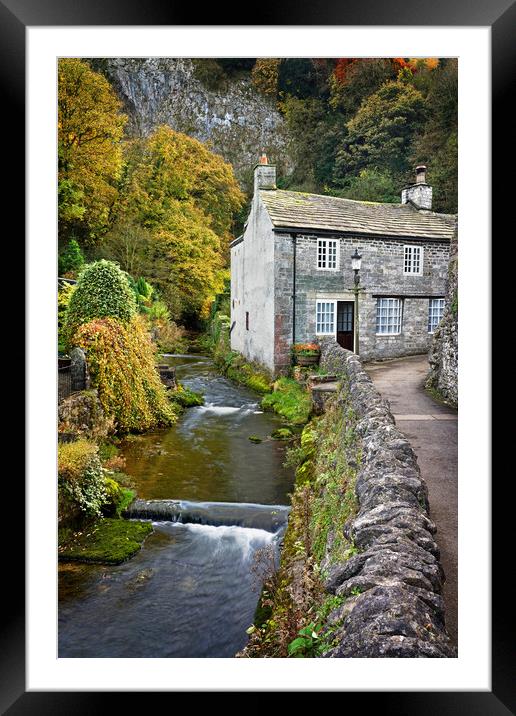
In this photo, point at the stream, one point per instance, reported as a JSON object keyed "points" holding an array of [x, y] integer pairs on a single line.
{"points": [[218, 505]]}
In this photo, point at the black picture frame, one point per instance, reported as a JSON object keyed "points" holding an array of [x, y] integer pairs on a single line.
{"points": [[500, 16]]}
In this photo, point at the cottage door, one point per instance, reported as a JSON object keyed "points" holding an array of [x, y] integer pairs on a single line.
{"points": [[345, 324]]}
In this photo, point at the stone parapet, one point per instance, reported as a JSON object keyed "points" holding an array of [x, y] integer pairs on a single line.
{"points": [[393, 584]]}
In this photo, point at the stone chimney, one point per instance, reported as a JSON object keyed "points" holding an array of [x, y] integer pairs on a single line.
{"points": [[420, 193], [264, 174]]}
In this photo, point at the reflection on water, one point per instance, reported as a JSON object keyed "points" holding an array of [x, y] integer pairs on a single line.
{"points": [[207, 455]]}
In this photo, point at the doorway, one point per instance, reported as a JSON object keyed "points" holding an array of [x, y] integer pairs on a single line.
{"points": [[345, 324]]}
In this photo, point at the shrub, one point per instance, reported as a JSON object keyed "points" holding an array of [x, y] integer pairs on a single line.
{"points": [[102, 291], [117, 498], [82, 490], [170, 337], [122, 368]]}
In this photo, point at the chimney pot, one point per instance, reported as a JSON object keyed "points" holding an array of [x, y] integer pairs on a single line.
{"points": [[420, 193], [264, 174], [421, 174]]}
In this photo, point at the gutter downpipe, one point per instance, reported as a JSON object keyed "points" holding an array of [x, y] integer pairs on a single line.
{"points": [[294, 242]]}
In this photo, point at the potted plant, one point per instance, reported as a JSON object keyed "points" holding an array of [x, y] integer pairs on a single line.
{"points": [[306, 354]]}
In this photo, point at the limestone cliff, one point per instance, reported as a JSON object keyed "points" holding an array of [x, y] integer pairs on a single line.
{"points": [[443, 355], [234, 117]]}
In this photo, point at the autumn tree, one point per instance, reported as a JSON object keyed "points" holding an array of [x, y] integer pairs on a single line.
{"points": [[90, 129], [182, 197]]}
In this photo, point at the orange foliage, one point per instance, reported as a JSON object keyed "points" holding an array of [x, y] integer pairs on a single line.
{"points": [[341, 68]]}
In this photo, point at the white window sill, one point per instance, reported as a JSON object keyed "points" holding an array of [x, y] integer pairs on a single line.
{"points": [[331, 270], [380, 335]]}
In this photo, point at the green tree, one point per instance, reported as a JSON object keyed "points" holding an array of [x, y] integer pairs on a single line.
{"points": [[381, 133], [356, 79], [90, 127], [370, 185], [71, 259], [437, 145]]}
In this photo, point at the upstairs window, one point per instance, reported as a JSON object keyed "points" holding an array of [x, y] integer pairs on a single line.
{"points": [[435, 313], [388, 316], [327, 254], [413, 260]]}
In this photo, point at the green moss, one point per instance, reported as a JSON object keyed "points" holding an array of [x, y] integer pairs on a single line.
{"points": [[249, 374], [290, 400], [282, 434], [106, 541], [322, 502], [255, 439], [185, 398]]}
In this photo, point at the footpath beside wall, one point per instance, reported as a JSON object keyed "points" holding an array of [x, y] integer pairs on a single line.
{"points": [[393, 584]]}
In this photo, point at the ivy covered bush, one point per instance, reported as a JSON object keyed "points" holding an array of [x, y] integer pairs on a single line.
{"points": [[82, 491], [121, 363], [102, 291]]}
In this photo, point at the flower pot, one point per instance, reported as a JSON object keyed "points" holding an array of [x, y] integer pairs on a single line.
{"points": [[307, 360]]}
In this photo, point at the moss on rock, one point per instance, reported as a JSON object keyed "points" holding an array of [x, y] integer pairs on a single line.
{"points": [[282, 434], [185, 398], [106, 541]]}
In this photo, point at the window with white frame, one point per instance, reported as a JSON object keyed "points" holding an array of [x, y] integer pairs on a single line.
{"points": [[325, 318], [413, 260], [388, 315], [328, 254], [435, 313]]}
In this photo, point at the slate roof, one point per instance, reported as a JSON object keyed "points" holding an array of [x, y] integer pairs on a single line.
{"points": [[313, 212]]}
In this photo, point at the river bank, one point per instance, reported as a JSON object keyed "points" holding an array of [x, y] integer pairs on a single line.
{"points": [[193, 588]]}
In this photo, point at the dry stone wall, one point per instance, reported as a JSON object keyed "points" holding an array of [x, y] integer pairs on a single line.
{"points": [[444, 351], [393, 584]]}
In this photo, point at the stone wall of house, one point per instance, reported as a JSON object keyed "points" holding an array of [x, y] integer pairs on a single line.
{"points": [[394, 606], [381, 274], [444, 355], [252, 289]]}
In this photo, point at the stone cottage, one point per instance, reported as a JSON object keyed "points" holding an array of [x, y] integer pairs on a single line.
{"points": [[292, 279]]}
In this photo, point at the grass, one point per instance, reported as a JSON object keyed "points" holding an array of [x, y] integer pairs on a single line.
{"points": [[289, 400], [106, 541]]}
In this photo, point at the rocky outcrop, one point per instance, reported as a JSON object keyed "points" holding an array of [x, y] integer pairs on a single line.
{"points": [[393, 584], [235, 118], [443, 355], [81, 416]]}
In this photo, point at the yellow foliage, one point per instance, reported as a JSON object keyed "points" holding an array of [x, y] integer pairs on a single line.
{"points": [[74, 457], [185, 197], [265, 74], [90, 128], [121, 361]]}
